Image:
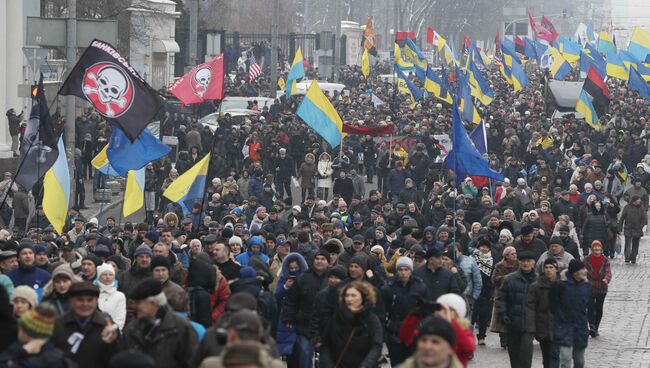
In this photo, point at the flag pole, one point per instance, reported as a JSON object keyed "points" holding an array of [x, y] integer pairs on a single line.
{"points": [[119, 222], [207, 179]]}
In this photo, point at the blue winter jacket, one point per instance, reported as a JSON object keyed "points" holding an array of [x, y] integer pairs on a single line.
{"points": [[569, 302]]}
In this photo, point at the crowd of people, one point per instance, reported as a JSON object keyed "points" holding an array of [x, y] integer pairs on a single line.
{"points": [[303, 254]]}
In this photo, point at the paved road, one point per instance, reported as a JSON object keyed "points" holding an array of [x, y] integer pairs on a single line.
{"points": [[625, 328]]}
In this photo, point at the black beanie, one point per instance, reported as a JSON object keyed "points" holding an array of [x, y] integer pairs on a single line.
{"points": [[434, 325], [160, 261]]}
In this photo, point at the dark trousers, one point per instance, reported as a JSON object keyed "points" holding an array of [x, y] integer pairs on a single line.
{"points": [[303, 191], [596, 310], [80, 194], [397, 352], [370, 172], [631, 247], [520, 349], [548, 354], [481, 315], [283, 185]]}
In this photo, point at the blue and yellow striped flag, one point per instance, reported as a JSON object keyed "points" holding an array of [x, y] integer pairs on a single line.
{"points": [[56, 190], [317, 111], [189, 187], [101, 163], [296, 72], [134, 192]]}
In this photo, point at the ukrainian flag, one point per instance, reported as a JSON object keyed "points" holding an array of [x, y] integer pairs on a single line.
{"points": [[101, 163], [478, 85], [569, 49], [296, 72], [628, 59], [639, 44], [134, 194], [437, 87], [190, 186], [560, 68], [615, 67], [466, 106], [605, 43], [405, 85], [586, 108], [317, 111], [56, 190], [419, 60], [637, 83], [519, 77], [397, 58]]}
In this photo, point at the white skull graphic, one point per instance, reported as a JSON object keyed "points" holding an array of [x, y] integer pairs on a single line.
{"points": [[202, 77], [111, 85]]}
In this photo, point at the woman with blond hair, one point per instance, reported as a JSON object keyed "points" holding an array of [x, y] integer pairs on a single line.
{"points": [[325, 171], [307, 175], [355, 336]]}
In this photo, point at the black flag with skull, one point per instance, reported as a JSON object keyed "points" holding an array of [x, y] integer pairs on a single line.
{"points": [[105, 79], [38, 148]]}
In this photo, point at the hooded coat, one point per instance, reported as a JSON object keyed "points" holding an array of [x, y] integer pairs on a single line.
{"points": [[201, 283], [245, 257]]}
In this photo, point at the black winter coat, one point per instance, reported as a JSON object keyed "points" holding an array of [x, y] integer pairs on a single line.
{"points": [[363, 331], [442, 281], [299, 306], [48, 357], [511, 301], [399, 300], [569, 302], [539, 318], [171, 343], [594, 228], [92, 351]]}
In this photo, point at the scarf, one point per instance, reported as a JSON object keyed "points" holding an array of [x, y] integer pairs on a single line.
{"points": [[485, 262]]}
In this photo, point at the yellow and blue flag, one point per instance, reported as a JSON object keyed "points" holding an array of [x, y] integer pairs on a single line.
{"points": [[189, 187], [398, 60], [437, 87], [639, 44], [518, 76], [587, 61], [125, 155], [56, 190], [296, 72], [586, 108], [559, 68], [628, 59], [101, 163], [405, 85], [134, 192], [317, 111], [605, 43], [637, 83], [464, 159], [570, 50], [479, 87], [417, 57], [466, 106], [615, 67], [530, 50]]}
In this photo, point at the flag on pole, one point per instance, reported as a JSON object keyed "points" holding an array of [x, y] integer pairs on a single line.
{"points": [[38, 149], [615, 67], [639, 44], [281, 83], [594, 99], [205, 82], [436, 86], [365, 63], [190, 186], [134, 192], [605, 43], [125, 155], [105, 79], [296, 72], [254, 69], [369, 38], [637, 83], [463, 159], [479, 138], [56, 190], [317, 111]]}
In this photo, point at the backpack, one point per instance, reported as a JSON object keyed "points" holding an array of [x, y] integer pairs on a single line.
{"points": [[265, 305]]}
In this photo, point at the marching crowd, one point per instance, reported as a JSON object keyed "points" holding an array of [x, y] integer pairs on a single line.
{"points": [[380, 260]]}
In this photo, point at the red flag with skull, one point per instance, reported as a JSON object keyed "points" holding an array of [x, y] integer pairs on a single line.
{"points": [[105, 79], [203, 83]]}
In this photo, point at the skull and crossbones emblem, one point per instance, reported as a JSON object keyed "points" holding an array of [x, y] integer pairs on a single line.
{"points": [[108, 88], [201, 80]]}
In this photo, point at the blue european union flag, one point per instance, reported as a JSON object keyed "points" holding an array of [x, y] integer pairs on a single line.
{"points": [[478, 138], [463, 159], [124, 155]]}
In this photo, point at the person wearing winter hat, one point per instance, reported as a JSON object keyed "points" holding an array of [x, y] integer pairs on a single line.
{"points": [[632, 220], [140, 270], [403, 290], [569, 303], [150, 238], [56, 291], [28, 273], [555, 251], [111, 301], [433, 348], [173, 341], [454, 309], [33, 348], [439, 280], [511, 306], [599, 272], [89, 267], [23, 299]]}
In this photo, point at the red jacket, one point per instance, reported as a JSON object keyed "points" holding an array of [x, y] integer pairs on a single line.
{"points": [[596, 278], [219, 298], [465, 343]]}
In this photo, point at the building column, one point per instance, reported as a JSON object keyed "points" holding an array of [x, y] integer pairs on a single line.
{"points": [[11, 57]]}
